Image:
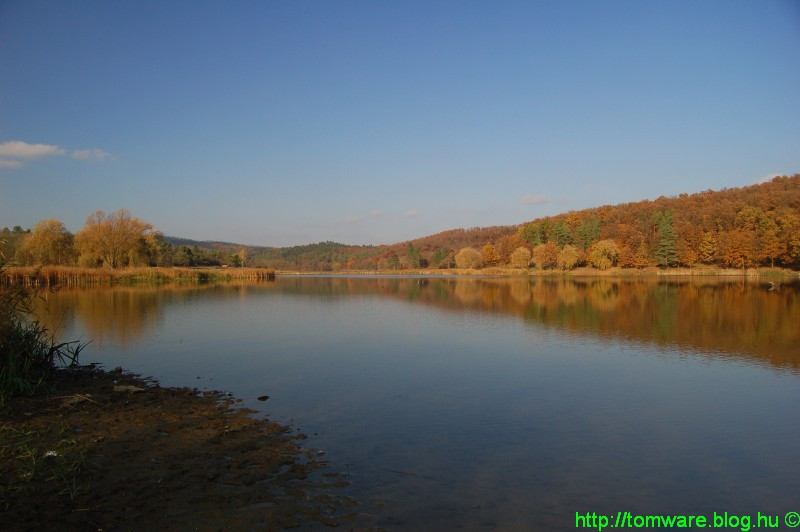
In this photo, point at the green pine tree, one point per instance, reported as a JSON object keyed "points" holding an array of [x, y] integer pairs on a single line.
{"points": [[665, 249]]}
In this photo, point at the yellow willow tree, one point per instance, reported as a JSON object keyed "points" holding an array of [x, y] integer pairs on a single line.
{"points": [[48, 243], [109, 239]]}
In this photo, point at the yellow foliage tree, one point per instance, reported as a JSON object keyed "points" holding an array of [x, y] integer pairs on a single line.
{"points": [[468, 258], [110, 239], [603, 254], [545, 255], [48, 243], [520, 258], [567, 257], [489, 255]]}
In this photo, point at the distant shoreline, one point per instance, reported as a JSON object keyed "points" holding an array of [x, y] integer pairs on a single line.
{"points": [[78, 276], [577, 272]]}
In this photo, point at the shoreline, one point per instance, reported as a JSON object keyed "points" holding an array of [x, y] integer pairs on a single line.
{"points": [[78, 276], [577, 272], [112, 450]]}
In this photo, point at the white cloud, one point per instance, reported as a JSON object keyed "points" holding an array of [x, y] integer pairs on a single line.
{"points": [[410, 213], [22, 150], [534, 199], [95, 154], [765, 179], [5, 163]]}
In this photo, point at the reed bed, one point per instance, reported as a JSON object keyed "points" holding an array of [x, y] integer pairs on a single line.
{"points": [[76, 276]]}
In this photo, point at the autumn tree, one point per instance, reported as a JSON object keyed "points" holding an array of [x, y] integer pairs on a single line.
{"points": [[48, 243], [489, 256], [545, 256], [11, 240], [708, 247], [789, 233], [794, 248], [520, 258], [109, 239], [626, 257], [737, 248], [468, 258], [567, 257], [687, 248], [641, 258], [507, 245], [603, 254]]}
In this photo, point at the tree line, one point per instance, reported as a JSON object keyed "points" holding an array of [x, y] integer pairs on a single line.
{"points": [[742, 227], [110, 240]]}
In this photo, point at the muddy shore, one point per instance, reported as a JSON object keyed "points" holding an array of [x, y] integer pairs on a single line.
{"points": [[110, 451]]}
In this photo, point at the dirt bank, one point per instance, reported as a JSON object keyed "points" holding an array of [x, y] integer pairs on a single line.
{"points": [[87, 456]]}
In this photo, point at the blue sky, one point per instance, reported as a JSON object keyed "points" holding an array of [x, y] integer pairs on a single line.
{"points": [[280, 123]]}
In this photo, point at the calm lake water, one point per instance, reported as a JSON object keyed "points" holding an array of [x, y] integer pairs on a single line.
{"points": [[488, 403]]}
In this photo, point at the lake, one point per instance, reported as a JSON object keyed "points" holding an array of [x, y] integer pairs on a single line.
{"points": [[491, 403]]}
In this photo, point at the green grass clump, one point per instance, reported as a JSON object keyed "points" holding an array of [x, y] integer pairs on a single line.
{"points": [[28, 350], [32, 455]]}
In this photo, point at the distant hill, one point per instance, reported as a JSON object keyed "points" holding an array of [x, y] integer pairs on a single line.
{"points": [[210, 245], [758, 225]]}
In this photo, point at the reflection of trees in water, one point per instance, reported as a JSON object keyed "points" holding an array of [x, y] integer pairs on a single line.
{"points": [[735, 317], [468, 291], [520, 291], [122, 315], [110, 315]]}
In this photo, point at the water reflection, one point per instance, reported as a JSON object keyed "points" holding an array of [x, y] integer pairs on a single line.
{"points": [[121, 316], [492, 403], [708, 315]]}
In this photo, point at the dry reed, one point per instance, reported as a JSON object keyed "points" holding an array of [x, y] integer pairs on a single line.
{"points": [[75, 276]]}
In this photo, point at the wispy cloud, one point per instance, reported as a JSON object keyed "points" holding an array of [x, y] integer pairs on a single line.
{"points": [[373, 214], [17, 149], [94, 154], [411, 213], [5, 163], [764, 179], [14, 152], [534, 199]]}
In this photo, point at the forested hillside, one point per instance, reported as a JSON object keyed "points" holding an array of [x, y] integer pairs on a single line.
{"points": [[743, 227]]}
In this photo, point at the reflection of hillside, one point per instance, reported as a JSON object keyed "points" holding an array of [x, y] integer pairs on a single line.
{"points": [[736, 317]]}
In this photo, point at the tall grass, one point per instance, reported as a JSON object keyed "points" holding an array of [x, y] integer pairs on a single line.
{"points": [[75, 276], [28, 350]]}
